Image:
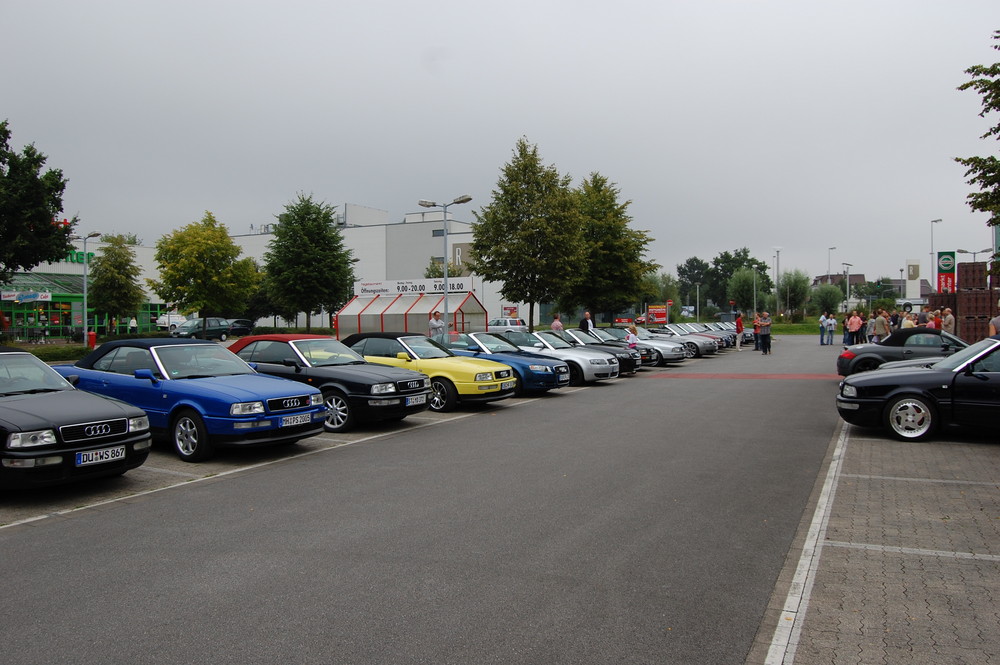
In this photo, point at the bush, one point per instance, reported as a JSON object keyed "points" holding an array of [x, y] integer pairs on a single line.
{"points": [[55, 352]]}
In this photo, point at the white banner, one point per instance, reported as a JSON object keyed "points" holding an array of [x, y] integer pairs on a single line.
{"points": [[395, 287]]}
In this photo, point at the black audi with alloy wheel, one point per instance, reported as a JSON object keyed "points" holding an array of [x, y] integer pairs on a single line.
{"points": [[355, 390], [914, 402]]}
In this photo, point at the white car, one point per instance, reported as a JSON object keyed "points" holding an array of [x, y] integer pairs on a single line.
{"points": [[170, 320], [585, 365], [506, 325]]}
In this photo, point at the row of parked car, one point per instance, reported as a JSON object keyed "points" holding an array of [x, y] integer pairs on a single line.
{"points": [[59, 425]]}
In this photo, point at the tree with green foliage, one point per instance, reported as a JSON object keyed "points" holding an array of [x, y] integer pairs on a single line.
{"points": [[114, 287], [529, 237], [436, 269], [692, 272], [827, 297], [984, 172], [614, 252], [30, 202], [746, 288], [793, 288], [200, 270], [307, 265], [657, 289], [724, 266]]}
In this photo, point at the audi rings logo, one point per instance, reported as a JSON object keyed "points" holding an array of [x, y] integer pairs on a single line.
{"points": [[414, 384], [97, 430], [291, 403]]}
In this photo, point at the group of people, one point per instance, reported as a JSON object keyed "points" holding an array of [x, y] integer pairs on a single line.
{"points": [[860, 328]]}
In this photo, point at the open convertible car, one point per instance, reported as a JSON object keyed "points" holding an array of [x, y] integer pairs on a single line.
{"points": [[913, 402], [199, 394], [53, 433], [355, 390]]}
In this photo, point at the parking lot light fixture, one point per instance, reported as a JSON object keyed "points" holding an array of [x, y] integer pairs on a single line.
{"points": [[934, 257], [86, 262], [974, 253], [424, 203]]}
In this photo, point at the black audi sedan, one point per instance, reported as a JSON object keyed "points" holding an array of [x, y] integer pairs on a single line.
{"points": [[903, 344], [53, 433], [354, 389], [914, 402]]}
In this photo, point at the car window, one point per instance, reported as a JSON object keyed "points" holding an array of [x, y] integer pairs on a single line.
{"points": [[554, 340], [454, 340], [495, 344], [923, 339], [520, 338], [382, 347], [20, 372], [267, 351], [988, 363], [184, 361], [426, 348], [327, 352]]}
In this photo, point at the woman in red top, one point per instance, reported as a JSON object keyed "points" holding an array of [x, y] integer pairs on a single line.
{"points": [[739, 330]]}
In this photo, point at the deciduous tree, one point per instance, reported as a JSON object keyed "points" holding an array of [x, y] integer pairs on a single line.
{"points": [[114, 287], [528, 238], [30, 201], [200, 270], [308, 267]]}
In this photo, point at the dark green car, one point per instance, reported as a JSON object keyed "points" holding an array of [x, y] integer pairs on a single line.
{"points": [[218, 328]]}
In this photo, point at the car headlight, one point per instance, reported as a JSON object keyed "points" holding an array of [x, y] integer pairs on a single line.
{"points": [[484, 376], [849, 391], [246, 408], [383, 388], [316, 400], [43, 437], [138, 424], [540, 368], [598, 361]]}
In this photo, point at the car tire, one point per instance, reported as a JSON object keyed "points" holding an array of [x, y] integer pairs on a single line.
{"points": [[444, 397], [575, 374], [189, 436], [660, 360], [222, 337], [339, 415], [518, 385], [173, 326], [866, 365], [690, 350], [910, 417]]}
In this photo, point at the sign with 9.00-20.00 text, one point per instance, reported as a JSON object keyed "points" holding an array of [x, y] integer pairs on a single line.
{"points": [[397, 286]]}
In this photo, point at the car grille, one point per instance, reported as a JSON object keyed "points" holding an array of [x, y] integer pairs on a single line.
{"points": [[503, 374], [288, 403], [415, 385], [92, 431]]}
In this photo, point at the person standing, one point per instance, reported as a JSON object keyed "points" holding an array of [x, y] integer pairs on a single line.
{"points": [[995, 326], [881, 326], [924, 315], [133, 326], [739, 330], [948, 321], [822, 329], [831, 327], [587, 324], [765, 334], [756, 332], [854, 327], [436, 326], [556, 324], [632, 337]]}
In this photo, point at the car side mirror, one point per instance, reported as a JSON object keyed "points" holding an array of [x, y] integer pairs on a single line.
{"points": [[403, 355], [287, 362], [473, 348], [73, 379], [146, 374], [538, 345]]}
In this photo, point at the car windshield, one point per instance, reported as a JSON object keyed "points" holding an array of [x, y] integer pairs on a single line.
{"points": [[327, 353], [496, 344], [425, 348], [642, 333], [613, 334], [190, 324], [22, 373], [196, 361], [959, 358], [554, 340]]}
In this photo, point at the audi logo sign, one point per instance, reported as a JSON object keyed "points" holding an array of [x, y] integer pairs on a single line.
{"points": [[291, 403], [97, 430], [414, 384]]}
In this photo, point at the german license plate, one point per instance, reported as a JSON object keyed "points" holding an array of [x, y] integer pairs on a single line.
{"points": [[88, 457], [301, 419], [507, 385], [416, 399]]}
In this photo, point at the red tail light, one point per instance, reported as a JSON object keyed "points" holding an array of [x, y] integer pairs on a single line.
{"points": [[848, 354]]}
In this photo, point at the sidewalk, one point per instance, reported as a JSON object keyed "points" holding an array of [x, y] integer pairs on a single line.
{"points": [[897, 560]]}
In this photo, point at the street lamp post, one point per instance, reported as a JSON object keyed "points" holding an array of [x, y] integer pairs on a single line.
{"points": [[829, 278], [974, 253], [933, 257], [86, 262], [847, 284], [777, 275], [464, 198], [697, 302], [902, 284]]}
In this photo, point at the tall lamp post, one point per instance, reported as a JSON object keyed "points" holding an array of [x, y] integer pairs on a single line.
{"points": [[697, 302], [464, 198], [829, 278], [934, 257], [86, 262], [847, 284], [777, 275]]}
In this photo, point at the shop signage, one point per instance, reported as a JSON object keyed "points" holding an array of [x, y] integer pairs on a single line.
{"points": [[658, 313], [26, 296], [509, 311], [396, 287], [946, 272]]}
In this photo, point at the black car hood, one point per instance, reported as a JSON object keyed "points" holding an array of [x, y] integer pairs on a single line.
{"points": [[899, 376], [55, 409], [367, 373]]}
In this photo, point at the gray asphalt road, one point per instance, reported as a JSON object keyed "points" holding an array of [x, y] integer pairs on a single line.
{"points": [[640, 522]]}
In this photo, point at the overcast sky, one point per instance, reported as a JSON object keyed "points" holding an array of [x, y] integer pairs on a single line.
{"points": [[795, 124]]}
